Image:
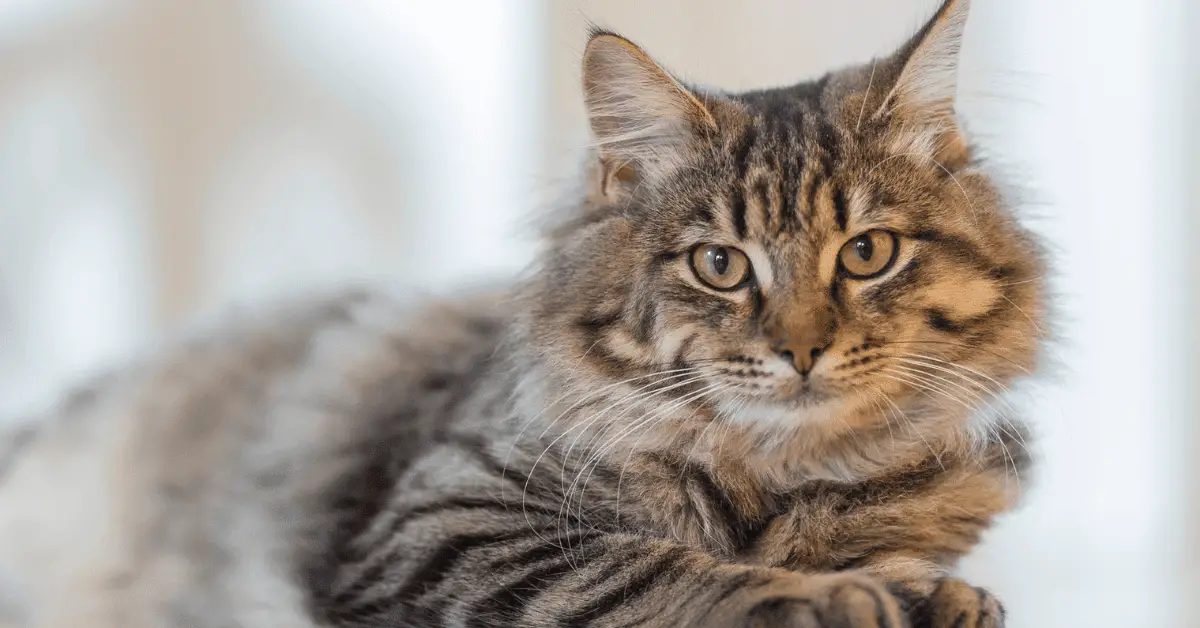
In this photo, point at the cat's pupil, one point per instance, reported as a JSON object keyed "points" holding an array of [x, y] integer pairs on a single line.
{"points": [[864, 248], [720, 261]]}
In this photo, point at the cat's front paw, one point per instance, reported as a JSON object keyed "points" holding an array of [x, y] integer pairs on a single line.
{"points": [[952, 604], [843, 600]]}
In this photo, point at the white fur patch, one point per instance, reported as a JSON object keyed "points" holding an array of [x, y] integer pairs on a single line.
{"points": [[670, 342], [761, 264]]}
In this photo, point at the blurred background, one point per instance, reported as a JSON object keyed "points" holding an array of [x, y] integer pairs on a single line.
{"points": [[161, 158]]}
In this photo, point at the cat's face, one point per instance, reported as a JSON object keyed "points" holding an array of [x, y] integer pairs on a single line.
{"points": [[794, 256]]}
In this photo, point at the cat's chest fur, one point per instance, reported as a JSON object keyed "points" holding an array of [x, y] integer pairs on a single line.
{"points": [[729, 510]]}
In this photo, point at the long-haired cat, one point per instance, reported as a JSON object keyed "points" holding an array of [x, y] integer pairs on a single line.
{"points": [[751, 381]]}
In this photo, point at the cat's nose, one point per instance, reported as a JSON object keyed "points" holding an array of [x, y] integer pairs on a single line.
{"points": [[801, 333], [802, 355]]}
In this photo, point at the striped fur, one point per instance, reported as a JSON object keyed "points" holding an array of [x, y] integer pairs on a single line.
{"points": [[612, 442]]}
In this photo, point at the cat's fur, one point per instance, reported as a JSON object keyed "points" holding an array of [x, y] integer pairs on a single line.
{"points": [[610, 443]]}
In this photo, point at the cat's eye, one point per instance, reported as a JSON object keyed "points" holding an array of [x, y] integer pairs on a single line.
{"points": [[869, 255], [720, 267]]}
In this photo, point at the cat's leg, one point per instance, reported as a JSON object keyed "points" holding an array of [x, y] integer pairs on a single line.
{"points": [[917, 574], [932, 598], [906, 529], [509, 574], [949, 603]]}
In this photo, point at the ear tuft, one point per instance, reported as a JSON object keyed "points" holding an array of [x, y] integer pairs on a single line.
{"points": [[922, 98], [928, 83], [643, 118]]}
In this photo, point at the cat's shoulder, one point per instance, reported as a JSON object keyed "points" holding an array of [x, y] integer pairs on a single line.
{"points": [[333, 326]]}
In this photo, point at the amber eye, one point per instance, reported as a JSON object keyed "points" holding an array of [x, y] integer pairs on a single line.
{"points": [[869, 255], [721, 267]]}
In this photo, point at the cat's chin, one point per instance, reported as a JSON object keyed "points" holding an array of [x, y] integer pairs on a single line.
{"points": [[795, 411], [802, 394]]}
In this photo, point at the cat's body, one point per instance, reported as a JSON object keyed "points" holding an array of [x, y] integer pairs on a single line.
{"points": [[218, 460], [795, 427], [203, 486]]}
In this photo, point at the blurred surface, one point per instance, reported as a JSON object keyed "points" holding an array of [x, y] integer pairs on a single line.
{"points": [[158, 159]]}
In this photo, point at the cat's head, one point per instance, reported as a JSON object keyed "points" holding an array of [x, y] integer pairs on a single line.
{"points": [[813, 255]]}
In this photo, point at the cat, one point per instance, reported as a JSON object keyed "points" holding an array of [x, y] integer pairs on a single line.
{"points": [[754, 379]]}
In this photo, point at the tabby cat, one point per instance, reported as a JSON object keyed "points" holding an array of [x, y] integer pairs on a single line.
{"points": [[754, 380]]}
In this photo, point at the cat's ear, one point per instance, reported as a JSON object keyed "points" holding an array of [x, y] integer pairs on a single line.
{"points": [[923, 95], [643, 119]]}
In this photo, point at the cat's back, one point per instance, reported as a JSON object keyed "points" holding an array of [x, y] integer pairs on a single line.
{"points": [[132, 499]]}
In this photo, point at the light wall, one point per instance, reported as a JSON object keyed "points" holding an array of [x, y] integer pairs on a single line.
{"points": [[160, 159], [1190, 78]]}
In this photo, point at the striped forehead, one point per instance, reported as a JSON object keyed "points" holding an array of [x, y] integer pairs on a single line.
{"points": [[786, 183]]}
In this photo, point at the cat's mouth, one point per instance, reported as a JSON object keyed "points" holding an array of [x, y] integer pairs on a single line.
{"points": [[803, 394]]}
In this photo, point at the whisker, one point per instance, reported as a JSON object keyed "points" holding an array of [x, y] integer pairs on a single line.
{"points": [[664, 415], [994, 394], [596, 455], [913, 426], [1040, 332], [949, 173], [925, 379], [926, 384], [630, 398], [866, 97], [639, 395], [548, 447], [638, 424], [879, 408], [961, 346], [1022, 282], [930, 378], [578, 403], [582, 491]]}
